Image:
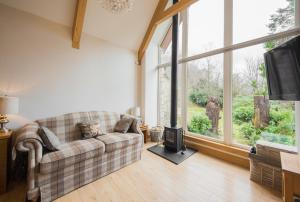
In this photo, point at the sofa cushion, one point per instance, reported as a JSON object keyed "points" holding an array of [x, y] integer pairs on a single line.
{"points": [[71, 153], [65, 126], [135, 122], [50, 140], [114, 141], [123, 125], [90, 129], [107, 120]]}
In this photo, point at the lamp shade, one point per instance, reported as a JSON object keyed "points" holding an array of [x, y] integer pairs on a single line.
{"points": [[9, 105], [136, 111]]}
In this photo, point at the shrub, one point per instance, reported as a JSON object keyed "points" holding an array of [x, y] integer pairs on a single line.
{"points": [[201, 98], [281, 122], [249, 132], [283, 128], [199, 124], [243, 114], [278, 116], [198, 98]]}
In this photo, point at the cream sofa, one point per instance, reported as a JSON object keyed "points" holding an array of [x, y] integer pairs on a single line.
{"points": [[78, 162]]}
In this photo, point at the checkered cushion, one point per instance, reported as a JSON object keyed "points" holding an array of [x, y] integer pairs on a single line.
{"points": [[65, 126], [71, 153], [114, 141], [107, 120]]}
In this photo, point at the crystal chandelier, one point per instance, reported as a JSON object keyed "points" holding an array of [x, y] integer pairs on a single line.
{"points": [[117, 6]]}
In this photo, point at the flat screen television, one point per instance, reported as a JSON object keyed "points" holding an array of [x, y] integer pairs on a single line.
{"points": [[283, 71]]}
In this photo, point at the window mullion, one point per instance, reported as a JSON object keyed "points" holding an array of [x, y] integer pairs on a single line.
{"points": [[297, 103], [228, 39], [158, 88], [184, 15]]}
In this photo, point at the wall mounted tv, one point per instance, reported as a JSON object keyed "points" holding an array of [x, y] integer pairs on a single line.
{"points": [[283, 71]]}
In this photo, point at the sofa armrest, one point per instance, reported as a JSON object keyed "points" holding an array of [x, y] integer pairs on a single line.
{"points": [[26, 139]]}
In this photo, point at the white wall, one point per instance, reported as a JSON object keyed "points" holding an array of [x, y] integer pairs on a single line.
{"points": [[38, 64]]}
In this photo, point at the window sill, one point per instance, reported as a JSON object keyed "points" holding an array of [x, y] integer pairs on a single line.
{"points": [[225, 152], [221, 141]]}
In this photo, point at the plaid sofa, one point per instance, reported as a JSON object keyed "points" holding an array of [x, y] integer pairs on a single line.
{"points": [[78, 162]]}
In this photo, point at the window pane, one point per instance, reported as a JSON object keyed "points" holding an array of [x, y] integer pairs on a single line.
{"points": [[205, 101], [165, 96], [257, 18], [254, 115], [166, 53], [206, 26]]}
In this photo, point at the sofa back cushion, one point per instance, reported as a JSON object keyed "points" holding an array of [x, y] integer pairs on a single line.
{"points": [[65, 126], [67, 130], [107, 120]]}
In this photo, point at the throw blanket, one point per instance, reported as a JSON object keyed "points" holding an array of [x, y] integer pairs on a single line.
{"points": [[26, 136]]}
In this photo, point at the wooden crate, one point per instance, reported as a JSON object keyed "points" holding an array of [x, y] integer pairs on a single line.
{"points": [[271, 151], [265, 173]]}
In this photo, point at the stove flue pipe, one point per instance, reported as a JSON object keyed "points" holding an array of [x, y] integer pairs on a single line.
{"points": [[173, 117]]}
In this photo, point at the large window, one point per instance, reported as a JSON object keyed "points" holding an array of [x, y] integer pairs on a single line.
{"points": [[257, 18], [225, 96], [164, 77], [205, 26], [205, 97], [205, 76], [254, 115]]}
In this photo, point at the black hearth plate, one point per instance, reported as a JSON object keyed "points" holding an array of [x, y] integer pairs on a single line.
{"points": [[176, 158]]}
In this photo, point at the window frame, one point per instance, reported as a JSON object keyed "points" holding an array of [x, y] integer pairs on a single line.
{"points": [[227, 51]]}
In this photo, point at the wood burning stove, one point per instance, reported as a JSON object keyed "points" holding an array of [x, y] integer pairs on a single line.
{"points": [[173, 136]]}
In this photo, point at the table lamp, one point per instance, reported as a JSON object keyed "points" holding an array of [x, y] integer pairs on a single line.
{"points": [[8, 105], [136, 112]]}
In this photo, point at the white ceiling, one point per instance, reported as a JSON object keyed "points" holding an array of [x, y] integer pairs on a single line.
{"points": [[126, 30]]}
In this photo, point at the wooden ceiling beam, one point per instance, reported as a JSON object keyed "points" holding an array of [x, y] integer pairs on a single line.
{"points": [[173, 10], [78, 22], [158, 17]]}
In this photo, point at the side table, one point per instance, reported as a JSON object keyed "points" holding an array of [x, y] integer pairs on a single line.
{"points": [[291, 175], [145, 129], [4, 159]]}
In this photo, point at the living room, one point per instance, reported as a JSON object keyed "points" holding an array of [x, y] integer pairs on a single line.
{"points": [[138, 100]]}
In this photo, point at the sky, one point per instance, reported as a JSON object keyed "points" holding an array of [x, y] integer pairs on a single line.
{"points": [[250, 17]]}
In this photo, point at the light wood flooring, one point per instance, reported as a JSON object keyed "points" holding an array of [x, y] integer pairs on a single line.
{"points": [[199, 178]]}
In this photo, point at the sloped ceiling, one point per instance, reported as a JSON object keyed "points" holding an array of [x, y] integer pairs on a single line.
{"points": [[126, 30]]}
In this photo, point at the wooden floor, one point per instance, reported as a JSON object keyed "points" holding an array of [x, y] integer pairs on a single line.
{"points": [[199, 178]]}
